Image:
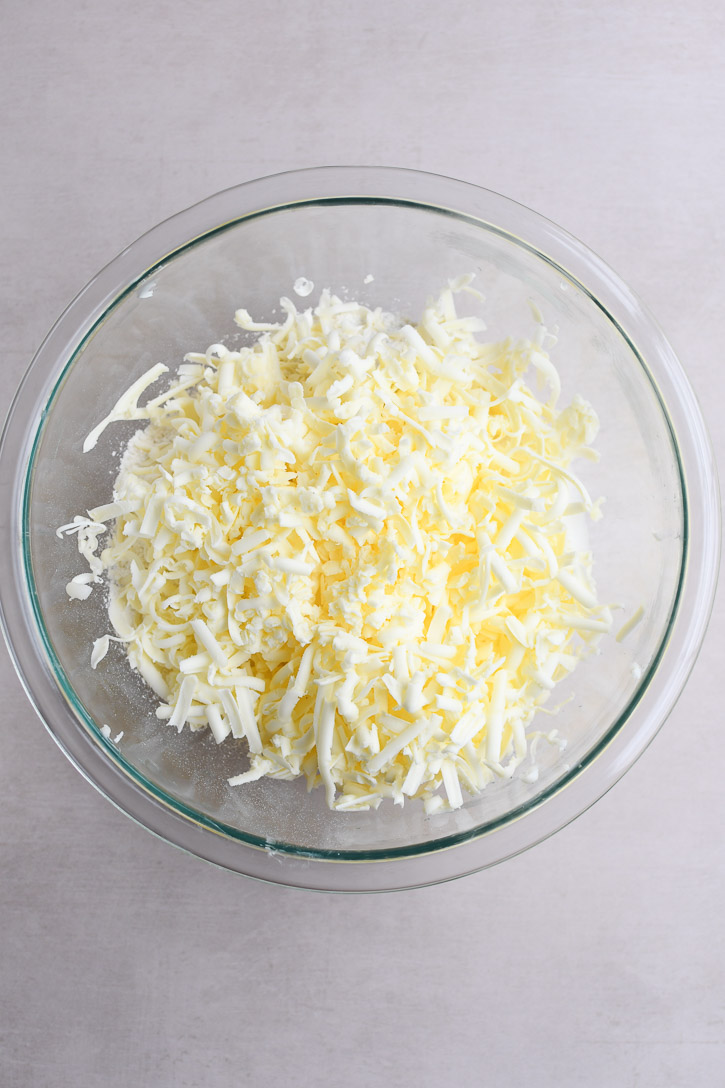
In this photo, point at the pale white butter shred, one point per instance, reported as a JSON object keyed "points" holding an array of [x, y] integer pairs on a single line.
{"points": [[350, 544]]}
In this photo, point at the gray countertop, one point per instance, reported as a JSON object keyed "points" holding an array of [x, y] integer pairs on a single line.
{"points": [[596, 958]]}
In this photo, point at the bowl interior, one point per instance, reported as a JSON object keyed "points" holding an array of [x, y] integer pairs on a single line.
{"points": [[187, 302]]}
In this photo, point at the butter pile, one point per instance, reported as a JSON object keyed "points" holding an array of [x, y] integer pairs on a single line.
{"points": [[353, 544]]}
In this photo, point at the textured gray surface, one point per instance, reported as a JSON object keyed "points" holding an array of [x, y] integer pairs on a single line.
{"points": [[597, 957]]}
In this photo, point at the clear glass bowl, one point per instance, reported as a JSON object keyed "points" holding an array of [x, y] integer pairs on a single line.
{"points": [[176, 290]]}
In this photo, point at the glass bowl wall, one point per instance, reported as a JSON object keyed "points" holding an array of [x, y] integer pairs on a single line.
{"points": [[175, 291]]}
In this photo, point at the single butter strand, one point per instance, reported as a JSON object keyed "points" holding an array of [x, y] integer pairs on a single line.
{"points": [[126, 407], [629, 625]]}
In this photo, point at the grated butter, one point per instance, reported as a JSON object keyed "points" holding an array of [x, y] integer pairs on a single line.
{"points": [[352, 544]]}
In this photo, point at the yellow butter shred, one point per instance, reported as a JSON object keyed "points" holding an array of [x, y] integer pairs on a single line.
{"points": [[356, 544]]}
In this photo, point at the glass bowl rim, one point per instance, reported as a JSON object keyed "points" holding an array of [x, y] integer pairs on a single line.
{"points": [[332, 187]]}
